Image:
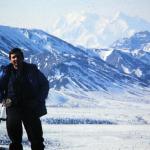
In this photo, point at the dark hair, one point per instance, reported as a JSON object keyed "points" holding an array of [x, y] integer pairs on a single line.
{"points": [[16, 50]]}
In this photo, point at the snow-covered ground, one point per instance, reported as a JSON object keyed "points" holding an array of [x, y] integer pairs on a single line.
{"points": [[100, 107], [92, 121], [93, 137], [98, 137], [116, 129]]}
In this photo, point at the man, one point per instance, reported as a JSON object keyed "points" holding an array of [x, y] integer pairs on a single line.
{"points": [[24, 89]]}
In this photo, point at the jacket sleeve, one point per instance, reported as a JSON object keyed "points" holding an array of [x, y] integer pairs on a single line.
{"points": [[1, 87], [3, 84], [43, 86]]}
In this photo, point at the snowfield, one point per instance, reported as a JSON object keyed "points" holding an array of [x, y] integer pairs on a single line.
{"points": [[105, 128], [98, 137], [93, 121], [92, 137]]}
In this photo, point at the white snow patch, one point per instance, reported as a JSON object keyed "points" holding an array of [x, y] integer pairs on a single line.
{"points": [[125, 69], [138, 72], [105, 53], [147, 47]]}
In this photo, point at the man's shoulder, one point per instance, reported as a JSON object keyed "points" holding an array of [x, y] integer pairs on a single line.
{"points": [[30, 66], [6, 68], [5, 71]]}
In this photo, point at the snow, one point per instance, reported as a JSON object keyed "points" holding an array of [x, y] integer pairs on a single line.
{"points": [[105, 53], [135, 52], [119, 114], [94, 31], [107, 113], [72, 64], [125, 69], [138, 72], [59, 75], [87, 137], [48, 47], [147, 48], [3, 52], [93, 121], [130, 121], [94, 137]]}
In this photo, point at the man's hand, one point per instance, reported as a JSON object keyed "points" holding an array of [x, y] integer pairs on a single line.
{"points": [[7, 102]]}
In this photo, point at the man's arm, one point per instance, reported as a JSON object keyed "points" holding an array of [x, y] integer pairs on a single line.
{"points": [[2, 91], [4, 77], [44, 86]]}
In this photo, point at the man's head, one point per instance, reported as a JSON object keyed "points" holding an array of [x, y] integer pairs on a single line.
{"points": [[16, 57]]}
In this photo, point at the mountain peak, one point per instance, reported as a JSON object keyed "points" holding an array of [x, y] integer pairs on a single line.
{"points": [[137, 41], [93, 31]]}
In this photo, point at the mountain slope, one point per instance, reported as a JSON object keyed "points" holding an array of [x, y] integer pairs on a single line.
{"points": [[130, 55], [76, 71]]}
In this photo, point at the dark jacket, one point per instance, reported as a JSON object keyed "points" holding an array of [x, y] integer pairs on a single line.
{"points": [[27, 88]]}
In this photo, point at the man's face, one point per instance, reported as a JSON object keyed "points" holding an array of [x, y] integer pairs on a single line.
{"points": [[16, 59]]}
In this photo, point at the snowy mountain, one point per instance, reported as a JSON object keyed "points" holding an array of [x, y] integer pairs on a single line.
{"points": [[87, 86], [139, 41], [75, 69], [129, 65], [94, 31], [136, 47], [129, 55]]}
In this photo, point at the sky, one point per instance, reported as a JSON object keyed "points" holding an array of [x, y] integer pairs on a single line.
{"points": [[41, 13]]}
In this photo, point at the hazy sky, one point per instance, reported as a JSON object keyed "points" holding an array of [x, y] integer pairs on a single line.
{"points": [[40, 13]]}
